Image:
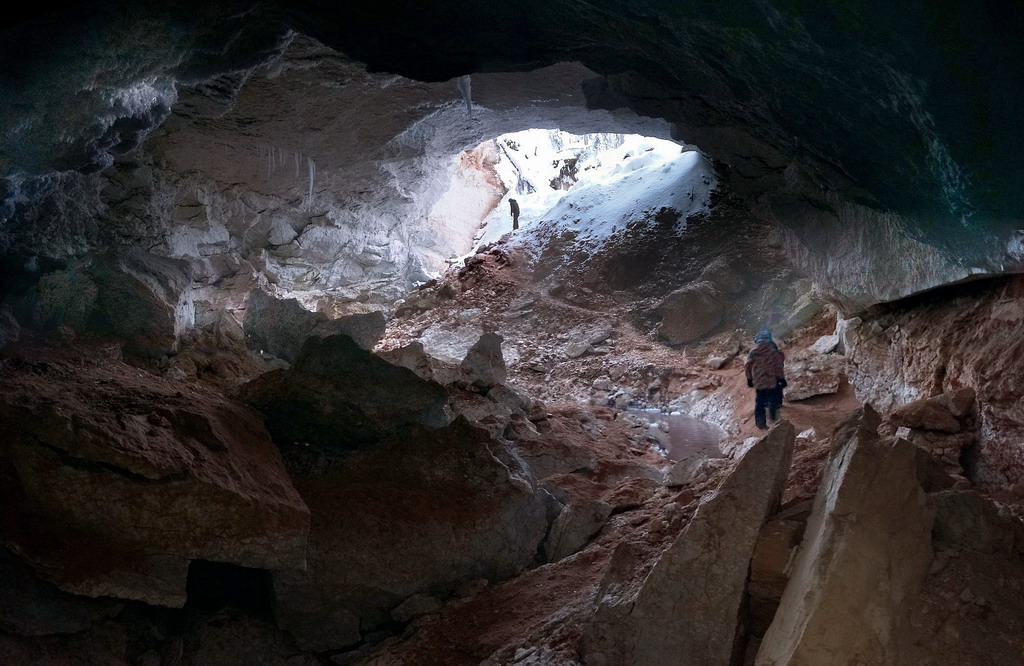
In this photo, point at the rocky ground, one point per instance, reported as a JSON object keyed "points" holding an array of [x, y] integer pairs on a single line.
{"points": [[463, 482]]}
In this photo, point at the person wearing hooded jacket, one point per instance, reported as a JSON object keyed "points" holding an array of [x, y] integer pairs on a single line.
{"points": [[765, 370]]}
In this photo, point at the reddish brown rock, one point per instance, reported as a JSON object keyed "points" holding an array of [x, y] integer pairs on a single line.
{"points": [[114, 479], [422, 513], [925, 415]]}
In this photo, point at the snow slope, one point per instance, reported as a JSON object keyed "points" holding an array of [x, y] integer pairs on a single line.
{"points": [[621, 179]]}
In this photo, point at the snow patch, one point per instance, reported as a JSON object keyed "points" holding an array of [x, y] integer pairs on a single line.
{"points": [[594, 186]]}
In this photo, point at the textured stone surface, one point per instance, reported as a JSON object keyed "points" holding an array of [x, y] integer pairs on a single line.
{"points": [[961, 337], [689, 313], [686, 610], [574, 527], [417, 514], [280, 327], [811, 373], [865, 553], [484, 364], [146, 299], [113, 480], [338, 395]]}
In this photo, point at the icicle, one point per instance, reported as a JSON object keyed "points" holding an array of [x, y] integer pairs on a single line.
{"points": [[312, 175], [465, 87]]}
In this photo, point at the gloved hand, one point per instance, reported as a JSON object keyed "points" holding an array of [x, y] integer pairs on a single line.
{"points": [[750, 383], [782, 382]]}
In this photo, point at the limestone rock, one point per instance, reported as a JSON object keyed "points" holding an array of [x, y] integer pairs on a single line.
{"points": [[281, 327], [338, 395], [484, 364], [684, 471], [685, 610], [146, 299], [826, 344], [773, 558], [968, 521], [724, 276], [690, 313], [865, 552], [925, 415], [417, 514], [811, 374], [414, 357], [574, 527], [113, 480]]}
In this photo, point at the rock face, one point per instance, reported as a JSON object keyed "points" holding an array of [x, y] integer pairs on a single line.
{"points": [[686, 610], [961, 337], [810, 374], [146, 299], [865, 552], [944, 426], [280, 327], [418, 514], [574, 527], [338, 395], [113, 480], [689, 313], [484, 363]]}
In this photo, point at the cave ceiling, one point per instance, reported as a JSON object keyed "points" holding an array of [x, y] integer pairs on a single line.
{"points": [[908, 109]]}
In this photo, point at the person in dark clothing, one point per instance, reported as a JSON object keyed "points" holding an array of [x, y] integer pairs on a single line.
{"points": [[766, 375], [514, 206]]}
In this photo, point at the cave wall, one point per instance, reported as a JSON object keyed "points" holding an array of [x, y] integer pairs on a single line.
{"points": [[879, 136], [965, 336]]}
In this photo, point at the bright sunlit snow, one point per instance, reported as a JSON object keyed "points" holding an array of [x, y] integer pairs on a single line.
{"points": [[615, 179]]}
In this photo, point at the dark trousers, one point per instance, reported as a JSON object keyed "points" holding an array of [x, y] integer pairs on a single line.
{"points": [[770, 400]]}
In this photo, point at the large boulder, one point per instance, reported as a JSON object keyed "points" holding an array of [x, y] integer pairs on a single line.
{"points": [[417, 514], [865, 552], [280, 327], [574, 527], [112, 480], [483, 364], [145, 299], [689, 313], [685, 611], [338, 395]]}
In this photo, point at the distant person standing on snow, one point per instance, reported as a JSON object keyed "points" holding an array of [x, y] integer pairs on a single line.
{"points": [[766, 375], [514, 206]]}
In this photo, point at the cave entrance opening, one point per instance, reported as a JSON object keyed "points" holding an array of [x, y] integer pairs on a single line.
{"points": [[551, 174]]}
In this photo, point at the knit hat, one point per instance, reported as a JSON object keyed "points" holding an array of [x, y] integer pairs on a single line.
{"points": [[764, 335]]}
